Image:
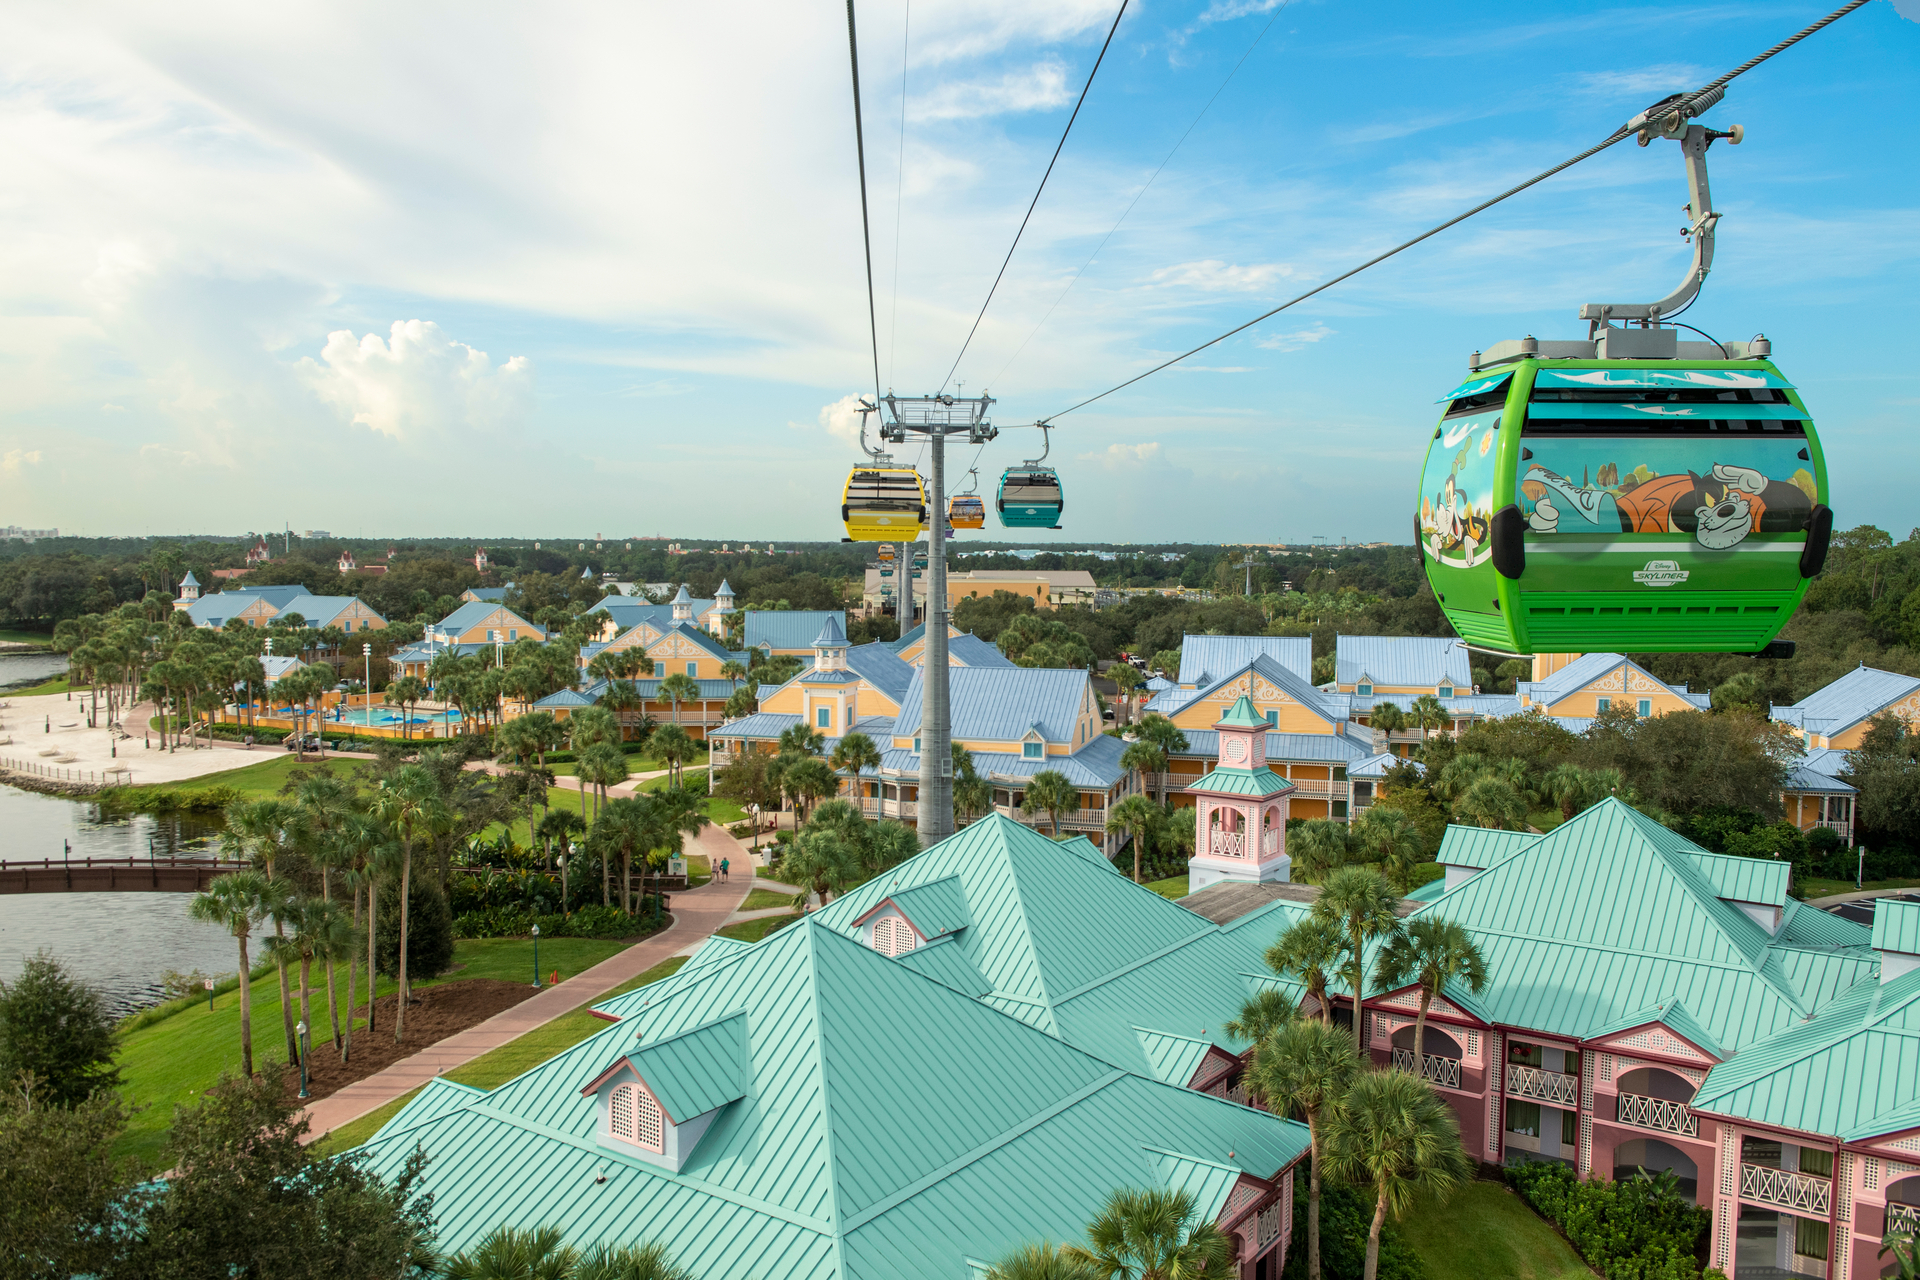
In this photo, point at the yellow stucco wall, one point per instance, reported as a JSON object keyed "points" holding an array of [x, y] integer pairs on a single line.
{"points": [[671, 653], [500, 620], [1626, 686], [1292, 717]]}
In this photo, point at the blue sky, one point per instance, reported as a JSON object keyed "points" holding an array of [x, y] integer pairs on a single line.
{"points": [[589, 269]]}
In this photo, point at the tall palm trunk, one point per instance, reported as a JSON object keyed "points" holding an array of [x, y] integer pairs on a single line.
{"points": [[373, 928], [333, 1009], [1372, 1270], [353, 963], [400, 987], [246, 1010], [1313, 1196], [286, 995], [1420, 1032], [626, 881]]}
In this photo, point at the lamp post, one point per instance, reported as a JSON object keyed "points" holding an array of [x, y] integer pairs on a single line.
{"points": [[367, 651], [756, 830], [305, 1047], [536, 955]]}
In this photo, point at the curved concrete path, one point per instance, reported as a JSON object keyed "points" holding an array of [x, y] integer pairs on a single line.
{"points": [[696, 914]]}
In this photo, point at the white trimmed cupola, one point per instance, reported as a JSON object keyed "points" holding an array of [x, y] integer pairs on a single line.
{"points": [[722, 606], [683, 605], [913, 918], [657, 1101], [830, 647]]}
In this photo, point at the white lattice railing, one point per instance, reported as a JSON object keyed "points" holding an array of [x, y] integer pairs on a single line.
{"points": [[1439, 1070], [1786, 1189], [1903, 1217], [1229, 844], [1658, 1113], [1271, 843], [1540, 1085]]}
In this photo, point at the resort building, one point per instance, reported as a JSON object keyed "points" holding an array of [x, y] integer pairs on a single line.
{"points": [[1577, 692], [189, 592], [1016, 722], [699, 714], [483, 622], [625, 613], [255, 606], [964, 649], [789, 631], [739, 1113], [258, 554], [1397, 667], [1838, 716], [488, 595], [1047, 588], [1204, 659], [347, 613]]}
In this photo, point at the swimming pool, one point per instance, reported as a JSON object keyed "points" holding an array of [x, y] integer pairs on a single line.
{"points": [[389, 717]]}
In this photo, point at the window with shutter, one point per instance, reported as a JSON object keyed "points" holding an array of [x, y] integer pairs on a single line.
{"points": [[620, 1111], [649, 1126]]}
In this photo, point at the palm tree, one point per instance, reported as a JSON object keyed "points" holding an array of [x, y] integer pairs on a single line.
{"points": [[1458, 774], [1308, 952], [855, 754], [233, 902], [1305, 1068], [1265, 1012], [1429, 713], [733, 673], [678, 688], [1493, 802], [1166, 735], [405, 693], [1387, 717], [628, 826], [674, 746], [362, 837], [1319, 847], [1570, 787], [1155, 1235], [1126, 680], [1436, 954], [406, 802], [508, 1253], [1359, 900], [971, 797], [1053, 793], [1137, 816], [601, 765], [821, 859], [1393, 1134], [1041, 1261], [802, 738], [811, 779], [649, 1261], [319, 931], [1145, 758], [1389, 837]]}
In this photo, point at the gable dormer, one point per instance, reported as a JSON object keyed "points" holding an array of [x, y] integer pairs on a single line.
{"points": [[659, 1100], [912, 918], [1033, 745]]}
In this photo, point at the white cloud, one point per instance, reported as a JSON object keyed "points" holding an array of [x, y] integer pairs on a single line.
{"points": [[1297, 339], [1125, 455], [841, 420], [1214, 276], [1037, 88], [1908, 9], [420, 383], [1670, 77], [12, 461], [1228, 10]]}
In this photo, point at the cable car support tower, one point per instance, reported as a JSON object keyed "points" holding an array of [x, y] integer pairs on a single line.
{"points": [[935, 418]]}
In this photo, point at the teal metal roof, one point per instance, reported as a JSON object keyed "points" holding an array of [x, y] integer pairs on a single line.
{"points": [[1045, 920], [692, 1072], [1170, 1058], [1609, 914], [714, 948], [1231, 781], [1209, 1182], [825, 1166], [1480, 846], [1759, 880], [1852, 1071], [1669, 1013], [946, 963], [1896, 926], [936, 907], [1242, 715], [1802, 925]]}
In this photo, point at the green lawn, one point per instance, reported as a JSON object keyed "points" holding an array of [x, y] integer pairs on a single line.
{"points": [[253, 782], [1172, 887], [1487, 1230], [42, 638], [754, 930], [1812, 888], [765, 900], [56, 685], [174, 1060], [516, 1057]]}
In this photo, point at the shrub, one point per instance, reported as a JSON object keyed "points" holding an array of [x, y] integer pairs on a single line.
{"points": [[1345, 1214], [56, 1027], [589, 922], [429, 929], [1634, 1229]]}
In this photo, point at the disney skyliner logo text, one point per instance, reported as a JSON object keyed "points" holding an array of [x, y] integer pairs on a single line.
{"points": [[1660, 573]]}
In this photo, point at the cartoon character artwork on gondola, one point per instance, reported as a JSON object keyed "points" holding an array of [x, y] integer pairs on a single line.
{"points": [[1457, 491], [1717, 499]]}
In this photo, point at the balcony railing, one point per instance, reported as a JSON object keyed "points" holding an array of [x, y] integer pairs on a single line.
{"points": [[1230, 844], [1903, 1217], [1799, 1192], [1540, 1085], [1657, 1113], [1845, 828], [1438, 1070]]}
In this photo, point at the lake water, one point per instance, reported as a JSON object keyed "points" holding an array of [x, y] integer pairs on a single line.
{"points": [[119, 942], [18, 670]]}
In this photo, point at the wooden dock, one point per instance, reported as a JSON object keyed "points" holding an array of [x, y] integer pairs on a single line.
{"points": [[113, 875]]}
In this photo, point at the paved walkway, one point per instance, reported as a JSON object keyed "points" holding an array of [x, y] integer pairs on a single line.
{"points": [[696, 914], [1861, 895]]}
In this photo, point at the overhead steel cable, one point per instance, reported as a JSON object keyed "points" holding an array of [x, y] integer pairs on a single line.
{"points": [[1147, 186], [1649, 120], [1036, 194], [866, 226]]}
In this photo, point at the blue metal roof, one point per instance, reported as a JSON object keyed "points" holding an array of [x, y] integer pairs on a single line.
{"points": [[1094, 767], [568, 698], [969, 650], [214, 610], [791, 628], [882, 668], [1213, 656], [1336, 748], [1418, 661], [1856, 696], [475, 612], [320, 611], [1000, 704], [1812, 781], [760, 726]]}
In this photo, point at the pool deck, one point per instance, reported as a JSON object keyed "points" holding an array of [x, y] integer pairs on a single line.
{"points": [[54, 723]]}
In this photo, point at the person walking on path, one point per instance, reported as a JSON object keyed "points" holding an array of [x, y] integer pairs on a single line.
{"points": [[724, 864]]}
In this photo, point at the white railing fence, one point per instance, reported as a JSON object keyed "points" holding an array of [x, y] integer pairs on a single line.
{"points": [[1438, 1070], [1657, 1113], [1788, 1190], [1541, 1085]]}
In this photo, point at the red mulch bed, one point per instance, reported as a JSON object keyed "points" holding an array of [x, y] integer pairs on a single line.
{"points": [[433, 1014]]}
